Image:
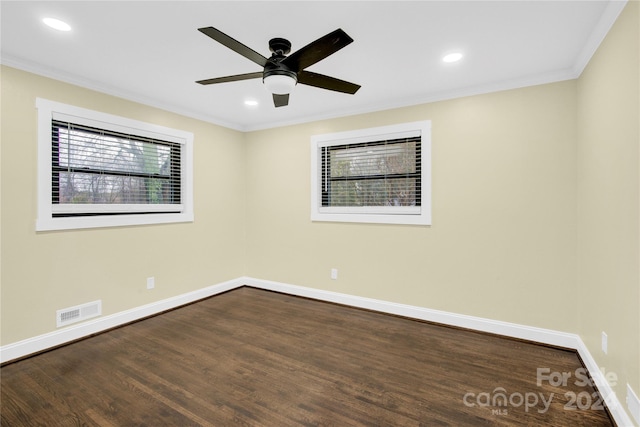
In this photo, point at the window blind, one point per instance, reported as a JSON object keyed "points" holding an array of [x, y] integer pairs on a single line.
{"points": [[375, 174], [98, 171]]}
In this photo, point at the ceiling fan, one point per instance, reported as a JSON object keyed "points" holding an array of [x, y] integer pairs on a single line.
{"points": [[280, 72]]}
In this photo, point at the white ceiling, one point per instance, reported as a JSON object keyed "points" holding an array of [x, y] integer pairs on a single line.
{"points": [[151, 51]]}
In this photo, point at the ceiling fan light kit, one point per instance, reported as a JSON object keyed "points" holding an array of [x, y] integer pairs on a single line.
{"points": [[280, 84], [280, 72]]}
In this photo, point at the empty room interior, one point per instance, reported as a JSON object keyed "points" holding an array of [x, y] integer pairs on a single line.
{"points": [[196, 229]]}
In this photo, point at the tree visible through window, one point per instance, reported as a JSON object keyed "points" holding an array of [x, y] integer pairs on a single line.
{"points": [[378, 175], [382, 173], [100, 170], [94, 167]]}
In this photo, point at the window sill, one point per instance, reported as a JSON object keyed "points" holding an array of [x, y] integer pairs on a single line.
{"points": [[74, 223]]}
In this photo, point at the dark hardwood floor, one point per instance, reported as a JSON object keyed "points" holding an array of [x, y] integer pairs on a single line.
{"points": [[257, 358]]}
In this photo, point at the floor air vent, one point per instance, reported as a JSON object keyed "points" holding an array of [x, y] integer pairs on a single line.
{"points": [[78, 313]]}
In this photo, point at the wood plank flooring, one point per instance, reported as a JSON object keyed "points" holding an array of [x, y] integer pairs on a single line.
{"points": [[256, 358]]}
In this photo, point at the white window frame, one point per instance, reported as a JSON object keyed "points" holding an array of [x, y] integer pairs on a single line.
{"points": [[49, 110], [411, 215]]}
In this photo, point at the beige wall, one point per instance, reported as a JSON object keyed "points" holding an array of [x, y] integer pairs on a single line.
{"points": [[535, 213], [502, 243], [608, 201], [535, 209], [44, 272]]}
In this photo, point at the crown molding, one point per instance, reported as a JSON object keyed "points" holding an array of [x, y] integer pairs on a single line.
{"points": [[76, 80], [606, 21], [608, 18]]}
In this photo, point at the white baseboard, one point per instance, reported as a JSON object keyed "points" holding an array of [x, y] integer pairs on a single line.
{"points": [[540, 335], [62, 336], [616, 409], [544, 336]]}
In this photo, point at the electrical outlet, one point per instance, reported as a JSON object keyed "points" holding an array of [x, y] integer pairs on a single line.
{"points": [[334, 274], [633, 403], [151, 282], [604, 342]]}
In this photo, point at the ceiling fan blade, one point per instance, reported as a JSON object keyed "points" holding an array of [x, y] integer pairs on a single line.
{"points": [[326, 82], [235, 78], [317, 50], [234, 45], [280, 100]]}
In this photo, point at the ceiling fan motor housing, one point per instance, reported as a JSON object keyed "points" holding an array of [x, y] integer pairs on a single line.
{"points": [[274, 67], [278, 69]]}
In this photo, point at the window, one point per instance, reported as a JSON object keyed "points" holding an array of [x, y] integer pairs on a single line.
{"points": [[379, 175], [99, 170]]}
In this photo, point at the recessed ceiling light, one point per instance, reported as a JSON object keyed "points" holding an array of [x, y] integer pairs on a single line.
{"points": [[57, 24], [452, 57], [251, 103]]}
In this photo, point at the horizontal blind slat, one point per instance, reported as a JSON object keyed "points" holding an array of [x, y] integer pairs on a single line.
{"points": [[99, 167], [377, 173]]}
